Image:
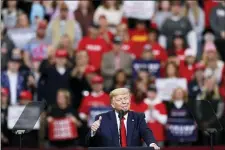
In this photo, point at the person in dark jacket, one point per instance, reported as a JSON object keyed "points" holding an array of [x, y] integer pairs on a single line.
{"points": [[55, 77]]}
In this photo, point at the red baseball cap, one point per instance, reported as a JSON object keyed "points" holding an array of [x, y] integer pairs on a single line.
{"points": [[97, 79], [26, 95], [90, 69], [4, 91], [61, 53]]}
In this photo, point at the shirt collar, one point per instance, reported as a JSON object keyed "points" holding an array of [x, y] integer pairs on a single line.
{"points": [[117, 115]]}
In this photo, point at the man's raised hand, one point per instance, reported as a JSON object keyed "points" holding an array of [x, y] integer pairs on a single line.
{"points": [[96, 124]]}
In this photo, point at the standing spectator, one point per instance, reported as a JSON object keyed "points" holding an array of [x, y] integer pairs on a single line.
{"points": [[186, 67], [178, 110], [94, 45], [22, 26], [97, 98], [84, 15], [5, 133], [214, 66], [147, 53], [63, 109], [156, 115], [207, 101], [113, 61], [36, 48], [171, 70], [197, 18], [217, 23], [163, 13], [10, 14], [63, 25], [177, 24], [13, 80], [59, 72], [196, 84], [208, 6], [78, 80], [112, 11], [37, 13]]}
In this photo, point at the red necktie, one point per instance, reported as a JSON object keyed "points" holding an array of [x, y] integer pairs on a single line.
{"points": [[123, 135]]}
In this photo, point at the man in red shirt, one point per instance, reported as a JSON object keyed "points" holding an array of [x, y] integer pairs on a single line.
{"points": [[94, 45], [97, 98]]}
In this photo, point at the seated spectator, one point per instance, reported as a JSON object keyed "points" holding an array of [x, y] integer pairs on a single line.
{"points": [[156, 115], [112, 11], [79, 83], [10, 14], [97, 98], [13, 80], [5, 133], [84, 15], [63, 25], [22, 26], [113, 61], [217, 23], [94, 45], [196, 84], [214, 66], [196, 16], [177, 24], [162, 13], [63, 110], [178, 110], [120, 80], [207, 101], [36, 48], [60, 71], [186, 67]]}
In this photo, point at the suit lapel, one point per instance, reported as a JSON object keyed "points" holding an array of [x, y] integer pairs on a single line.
{"points": [[114, 128], [130, 127]]}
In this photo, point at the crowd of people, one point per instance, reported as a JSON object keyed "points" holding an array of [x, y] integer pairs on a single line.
{"points": [[71, 54]]}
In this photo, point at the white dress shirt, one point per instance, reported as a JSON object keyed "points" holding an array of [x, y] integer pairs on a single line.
{"points": [[13, 79]]}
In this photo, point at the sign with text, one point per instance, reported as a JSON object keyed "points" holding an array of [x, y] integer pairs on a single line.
{"points": [[153, 67], [94, 111], [182, 130], [165, 87], [15, 112], [62, 129]]}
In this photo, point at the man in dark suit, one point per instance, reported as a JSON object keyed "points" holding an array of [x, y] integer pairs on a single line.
{"points": [[120, 127]]}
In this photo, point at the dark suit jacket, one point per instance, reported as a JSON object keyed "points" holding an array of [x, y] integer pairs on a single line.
{"points": [[107, 135]]}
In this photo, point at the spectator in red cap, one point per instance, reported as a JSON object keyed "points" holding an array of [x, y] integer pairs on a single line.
{"points": [[94, 45], [79, 80], [196, 84], [26, 97], [55, 77], [4, 113], [214, 66], [186, 67], [37, 48], [97, 98]]}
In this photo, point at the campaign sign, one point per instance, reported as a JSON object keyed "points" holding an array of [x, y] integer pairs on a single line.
{"points": [[182, 130], [62, 129], [94, 111], [153, 67]]}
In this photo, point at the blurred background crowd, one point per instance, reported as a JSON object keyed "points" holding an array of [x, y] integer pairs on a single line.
{"points": [[71, 54]]}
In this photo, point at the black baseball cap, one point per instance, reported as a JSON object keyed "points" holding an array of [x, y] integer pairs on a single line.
{"points": [[152, 87], [117, 40], [15, 59]]}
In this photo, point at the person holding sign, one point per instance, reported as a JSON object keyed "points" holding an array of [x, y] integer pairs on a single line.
{"points": [[62, 122], [120, 127]]}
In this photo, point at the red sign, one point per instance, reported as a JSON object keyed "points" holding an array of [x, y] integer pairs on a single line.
{"points": [[62, 129]]}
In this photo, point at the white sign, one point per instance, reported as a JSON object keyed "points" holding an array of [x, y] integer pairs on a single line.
{"points": [[14, 113], [165, 87]]}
